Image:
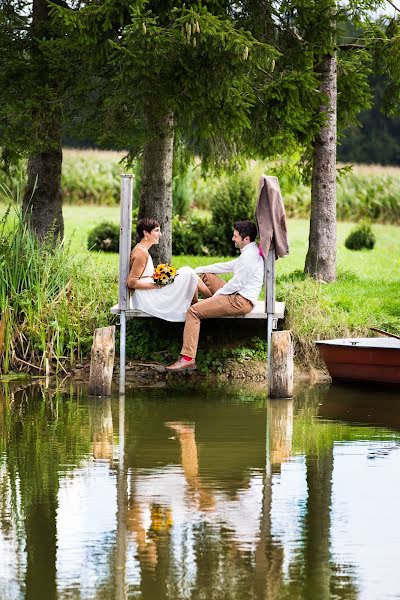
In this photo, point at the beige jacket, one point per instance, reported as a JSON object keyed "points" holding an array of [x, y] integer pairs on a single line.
{"points": [[271, 219]]}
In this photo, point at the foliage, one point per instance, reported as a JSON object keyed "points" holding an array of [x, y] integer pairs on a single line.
{"points": [[50, 302], [104, 238], [191, 236], [233, 201], [152, 61], [361, 237], [181, 192], [161, 342]]}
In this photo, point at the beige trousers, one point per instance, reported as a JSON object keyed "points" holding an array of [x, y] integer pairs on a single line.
{"points": [[217, 306]]}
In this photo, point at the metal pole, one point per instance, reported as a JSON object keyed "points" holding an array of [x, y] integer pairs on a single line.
{"points": [[125, 238], [269, 342], [270, 306], [122, 352]]}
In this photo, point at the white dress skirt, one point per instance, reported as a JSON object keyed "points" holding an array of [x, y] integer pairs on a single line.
{"points": [[170, 302]]}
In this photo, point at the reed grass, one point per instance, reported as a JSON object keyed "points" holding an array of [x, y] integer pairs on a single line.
{"points": [[50, 300]]}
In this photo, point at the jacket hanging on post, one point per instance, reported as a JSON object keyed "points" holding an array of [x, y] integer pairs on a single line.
{"points": [[270, 217]]}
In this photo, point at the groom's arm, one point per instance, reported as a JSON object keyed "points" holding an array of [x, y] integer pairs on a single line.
{"points": [[222, 267], [243, 272]]}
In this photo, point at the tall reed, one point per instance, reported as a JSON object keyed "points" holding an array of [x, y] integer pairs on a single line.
{"points": [[49, 302]]}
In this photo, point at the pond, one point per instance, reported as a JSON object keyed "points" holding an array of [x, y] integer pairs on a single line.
{"points": [[210, 493]]}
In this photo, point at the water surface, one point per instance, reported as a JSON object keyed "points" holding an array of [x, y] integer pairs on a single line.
{"points": [[199, 494]]}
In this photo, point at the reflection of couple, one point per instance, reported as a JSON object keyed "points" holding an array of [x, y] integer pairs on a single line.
{"points": [[178, 301]]}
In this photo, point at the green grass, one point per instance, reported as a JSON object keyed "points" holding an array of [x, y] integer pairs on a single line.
{"points": [[383, 262]]}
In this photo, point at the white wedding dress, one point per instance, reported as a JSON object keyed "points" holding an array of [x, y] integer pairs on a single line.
{"points": [[169, 302]]}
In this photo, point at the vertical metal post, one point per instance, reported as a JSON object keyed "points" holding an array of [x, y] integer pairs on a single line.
{"points": [[122, 352], [270, 304], [125, 236]]}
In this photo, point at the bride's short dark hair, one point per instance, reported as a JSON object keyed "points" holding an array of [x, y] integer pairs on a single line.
{"points": [[146, 225]]}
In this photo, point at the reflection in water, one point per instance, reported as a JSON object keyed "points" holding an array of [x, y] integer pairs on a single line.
{"points": [[174, 494]]}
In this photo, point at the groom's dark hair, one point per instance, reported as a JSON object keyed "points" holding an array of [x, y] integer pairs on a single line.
{"points": [[246, 228]]}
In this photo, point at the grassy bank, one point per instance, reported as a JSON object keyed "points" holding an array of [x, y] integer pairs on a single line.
{"points": [[366, 293]]}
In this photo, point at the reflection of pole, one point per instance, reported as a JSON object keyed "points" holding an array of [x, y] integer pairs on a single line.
{"points": [[269, 553], [120, 587]]}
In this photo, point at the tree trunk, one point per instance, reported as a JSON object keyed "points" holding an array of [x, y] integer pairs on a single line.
{"points": [[42, 203], [321, 255], [156, 190]]}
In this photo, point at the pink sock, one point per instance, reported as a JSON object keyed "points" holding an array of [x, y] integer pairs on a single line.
{"points": [[187, 358]]}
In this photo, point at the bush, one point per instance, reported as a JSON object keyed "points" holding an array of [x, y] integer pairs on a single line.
{"points": [[191, 236], [361, 237], [234, 201], [104, 237], [181, 192]]}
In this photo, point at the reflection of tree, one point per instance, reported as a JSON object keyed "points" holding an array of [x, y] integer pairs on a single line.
{"points": [[313, 567], [38, 441]]}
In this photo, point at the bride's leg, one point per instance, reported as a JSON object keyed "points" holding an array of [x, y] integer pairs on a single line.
{"points": [[203, 289]]}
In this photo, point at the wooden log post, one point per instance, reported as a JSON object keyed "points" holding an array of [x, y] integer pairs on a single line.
{"points": [[102, 361], [280, 380]]}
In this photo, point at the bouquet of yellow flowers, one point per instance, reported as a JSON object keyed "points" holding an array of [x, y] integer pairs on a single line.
{"points": [[164, 274]]}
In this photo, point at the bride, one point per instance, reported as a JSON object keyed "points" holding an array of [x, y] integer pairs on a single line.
{"points": [[171, 301]]}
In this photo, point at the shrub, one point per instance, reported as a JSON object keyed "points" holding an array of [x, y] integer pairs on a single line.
{"points": [[234, 201], [191, 236], [360, 237], [204, 189], [104, 237], [181, 192]]}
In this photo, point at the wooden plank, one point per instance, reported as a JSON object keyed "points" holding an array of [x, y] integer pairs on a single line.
{"points": [[125, 235], [258, 312]]}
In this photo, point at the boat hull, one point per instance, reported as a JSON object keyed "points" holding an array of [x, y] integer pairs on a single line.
{"points": [[361, 363]]}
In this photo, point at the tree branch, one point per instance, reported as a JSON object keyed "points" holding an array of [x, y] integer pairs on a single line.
{"points": [[394, 6], [351, 47]]}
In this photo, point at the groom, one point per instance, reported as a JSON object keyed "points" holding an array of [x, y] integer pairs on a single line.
{"points": [[235, 298]]}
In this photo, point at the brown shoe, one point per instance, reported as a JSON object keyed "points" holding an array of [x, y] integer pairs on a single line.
{"points": [[182, 365]]}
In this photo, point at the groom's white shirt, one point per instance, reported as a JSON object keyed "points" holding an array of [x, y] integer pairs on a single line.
{"points": [[248, 273]]}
